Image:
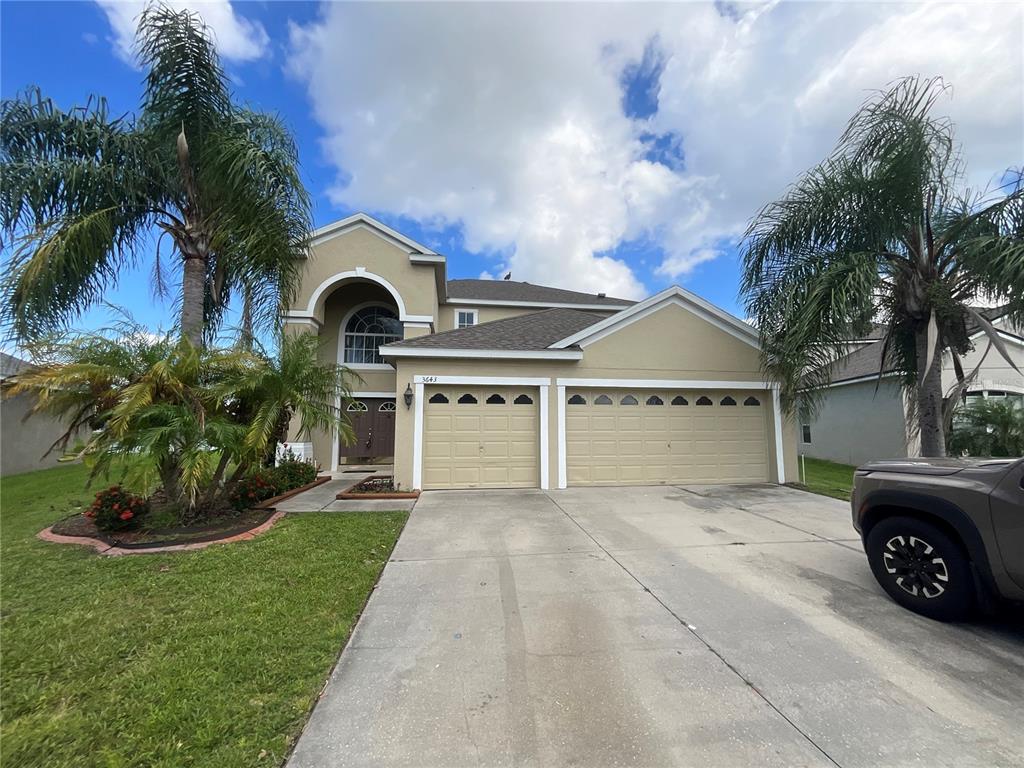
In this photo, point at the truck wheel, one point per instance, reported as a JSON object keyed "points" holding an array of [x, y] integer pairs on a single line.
{"points": [[922, 568]]}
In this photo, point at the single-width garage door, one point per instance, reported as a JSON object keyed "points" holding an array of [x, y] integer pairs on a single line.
{"points": [[481, 437], [622, 436]]}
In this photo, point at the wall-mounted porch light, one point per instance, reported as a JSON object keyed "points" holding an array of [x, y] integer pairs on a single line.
{"points": [[407, 395]]}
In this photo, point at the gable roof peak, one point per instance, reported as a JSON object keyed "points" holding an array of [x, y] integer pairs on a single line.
{"points": [[360, 219], [674, 294]]}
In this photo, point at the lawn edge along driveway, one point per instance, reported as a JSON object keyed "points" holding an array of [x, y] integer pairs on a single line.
{"points": [[207, 658]]}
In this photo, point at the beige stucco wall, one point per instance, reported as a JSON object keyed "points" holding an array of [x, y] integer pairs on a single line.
{"points": [[670, 344], [361, 248]]}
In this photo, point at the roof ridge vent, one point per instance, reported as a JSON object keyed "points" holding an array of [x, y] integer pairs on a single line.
{"points": [[600, 295]]}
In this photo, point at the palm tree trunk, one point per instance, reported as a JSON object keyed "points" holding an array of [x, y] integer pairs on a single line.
{"points": [[193, 299], [929, 397]]}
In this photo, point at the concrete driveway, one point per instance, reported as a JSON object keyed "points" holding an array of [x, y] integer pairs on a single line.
{"points": [[659, 626]]}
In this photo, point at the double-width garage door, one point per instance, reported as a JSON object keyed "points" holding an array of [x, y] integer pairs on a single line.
{"points": [[622, 437], [481, 437]]}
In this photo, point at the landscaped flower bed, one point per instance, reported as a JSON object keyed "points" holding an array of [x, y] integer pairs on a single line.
{"points": [[377, 487], [119, 519]]}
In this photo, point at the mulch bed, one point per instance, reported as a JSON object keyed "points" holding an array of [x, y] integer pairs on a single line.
{"points": [[209, 530], [376, 487], [241, 526]]}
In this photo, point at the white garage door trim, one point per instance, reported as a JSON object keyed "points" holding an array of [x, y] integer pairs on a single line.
{"points": [[497, 381], [561, 384]]}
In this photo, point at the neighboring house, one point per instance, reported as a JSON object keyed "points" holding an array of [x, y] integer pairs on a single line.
{"points": [[478, 383], [864, 416], [24, 442]]}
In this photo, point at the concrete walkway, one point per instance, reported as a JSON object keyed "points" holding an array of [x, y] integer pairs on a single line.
{"points": [[323, 498], [656, 627]]}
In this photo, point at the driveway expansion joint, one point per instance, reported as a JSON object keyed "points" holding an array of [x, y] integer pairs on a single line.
{"points": [[700, 638]]}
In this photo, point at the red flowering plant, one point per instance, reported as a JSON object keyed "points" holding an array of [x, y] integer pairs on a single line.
{"points": [[114, 509], [252, 489]]}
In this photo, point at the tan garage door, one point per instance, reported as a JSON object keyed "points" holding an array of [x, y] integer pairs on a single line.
{"points": [[623, 437], [481, 437]]}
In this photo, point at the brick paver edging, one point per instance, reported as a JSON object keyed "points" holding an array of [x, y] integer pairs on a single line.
{"points": [[103, 548]]}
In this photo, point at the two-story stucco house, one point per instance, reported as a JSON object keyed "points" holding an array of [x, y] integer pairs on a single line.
{"points": [[497, 384]]}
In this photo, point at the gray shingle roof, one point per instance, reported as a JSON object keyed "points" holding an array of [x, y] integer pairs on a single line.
{"points": [[533, 331], [867, 361], [508, 290], [10, 365]]}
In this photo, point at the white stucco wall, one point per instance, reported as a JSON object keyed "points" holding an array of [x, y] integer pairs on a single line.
{"points": [[856, 424]]}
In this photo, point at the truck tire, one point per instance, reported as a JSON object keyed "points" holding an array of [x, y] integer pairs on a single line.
{"points": [[922, 568]]}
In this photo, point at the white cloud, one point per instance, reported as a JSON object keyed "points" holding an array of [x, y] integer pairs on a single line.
{"points": [[508, 118], [238, 38]]}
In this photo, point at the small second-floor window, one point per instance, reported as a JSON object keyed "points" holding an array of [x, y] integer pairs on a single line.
{"points": [[805, 435], [464, 318]]}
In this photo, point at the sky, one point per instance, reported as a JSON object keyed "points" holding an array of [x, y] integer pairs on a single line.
{"points": [[611, 147]]}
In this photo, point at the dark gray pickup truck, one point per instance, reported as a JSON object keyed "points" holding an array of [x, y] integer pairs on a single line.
{"points": [[943, 535]]}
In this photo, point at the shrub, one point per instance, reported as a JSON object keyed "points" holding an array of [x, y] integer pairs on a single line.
{"points": [[291, 472], [254, 488], [114, 509]]}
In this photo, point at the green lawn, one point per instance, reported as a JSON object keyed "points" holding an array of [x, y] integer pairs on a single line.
{"points": [[209, 658], [829, 478]]}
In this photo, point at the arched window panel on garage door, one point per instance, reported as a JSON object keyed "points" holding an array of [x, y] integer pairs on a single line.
{"points": [[602, 400], [727, 400], [495, 399], [356, 407], [577, 400], [751, 401], [467, 399], [680, 400], [655, 400], [437, 398], [523, 400], [704, 400], [629, 400]]}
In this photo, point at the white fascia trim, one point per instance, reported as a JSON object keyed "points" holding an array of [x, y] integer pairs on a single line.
{"points": [[297, 320], [416, 324], [780, 461], [562, 463], [490, 354], [545, 469], [376, 395], [417, 437], [420, 381], [858, 380], [379, 228], [418, 258], [1002, 335], [537, 304], [674, 295], [497, 381], [663, 384], [368, 366]]}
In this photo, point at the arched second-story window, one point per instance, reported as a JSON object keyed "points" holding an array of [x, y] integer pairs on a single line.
{"points": [[366, 330]]}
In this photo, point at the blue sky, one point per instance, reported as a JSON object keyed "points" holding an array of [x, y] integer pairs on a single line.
{"points": [[625, 157]]}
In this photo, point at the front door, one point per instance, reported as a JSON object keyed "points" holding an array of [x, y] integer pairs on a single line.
{"points": [[373, 422]]}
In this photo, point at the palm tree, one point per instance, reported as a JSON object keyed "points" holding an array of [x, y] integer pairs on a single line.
{"points": [[882, 231], [189, 413], [82, 190], [990, 427]]}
